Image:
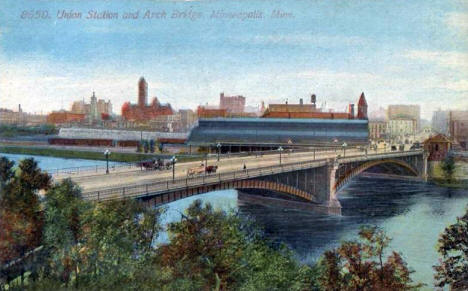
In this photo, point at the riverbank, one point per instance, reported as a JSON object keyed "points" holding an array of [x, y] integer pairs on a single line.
{"points": [[88, 155], [457, 184]]}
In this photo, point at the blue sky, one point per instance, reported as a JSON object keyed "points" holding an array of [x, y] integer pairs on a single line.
{"points": [[410, 52]]}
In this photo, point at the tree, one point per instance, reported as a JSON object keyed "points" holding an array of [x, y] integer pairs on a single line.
{"points": [[448, 168], [64, 210], [360, 265], [453, 247], [6, 171], [16, 233], [20, 218], [117, 237], [139, 148], [214, 250], [151, 146], [19, 200], [146, 146]]}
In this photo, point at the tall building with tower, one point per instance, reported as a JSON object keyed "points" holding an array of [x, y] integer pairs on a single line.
{"points": [[362, 107], [97, 109], [142, 92], [143, 112], [94, 115]]}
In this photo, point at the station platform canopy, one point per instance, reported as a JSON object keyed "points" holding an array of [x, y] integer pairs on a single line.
{"points": [[279, 131]]}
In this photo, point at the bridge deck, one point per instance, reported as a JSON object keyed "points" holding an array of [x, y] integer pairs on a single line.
{"points": [[180, 183]]}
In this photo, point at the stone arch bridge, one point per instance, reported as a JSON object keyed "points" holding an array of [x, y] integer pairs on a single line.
{"points": [[316, 182]]}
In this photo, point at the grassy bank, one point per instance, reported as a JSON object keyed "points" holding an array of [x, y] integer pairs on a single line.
{"points": [[89, 155]]}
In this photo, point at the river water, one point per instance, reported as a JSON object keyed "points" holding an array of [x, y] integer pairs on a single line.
{"points": [[51, 163], [412, 213]]}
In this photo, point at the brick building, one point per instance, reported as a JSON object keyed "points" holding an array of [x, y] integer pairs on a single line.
{"points": [[64, 117], [142, 112], [206, 112], [438, 147], [302, 110], [458, 127], [232, 104], [377, 129]]}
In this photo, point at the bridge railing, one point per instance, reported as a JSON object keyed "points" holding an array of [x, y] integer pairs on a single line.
{"points": [[92, 169], [129, 167], [151, 189]]}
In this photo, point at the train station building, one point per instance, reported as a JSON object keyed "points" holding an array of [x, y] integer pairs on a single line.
{"points": [[244, 134]]}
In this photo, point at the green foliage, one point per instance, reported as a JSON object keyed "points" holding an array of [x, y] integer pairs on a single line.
{"points": [[146, 146], [215, 250], [21, 220], [359, 265], [453, 247], [151, 145], [117, 238], [64, 210], [448, 168], [6, 171]]}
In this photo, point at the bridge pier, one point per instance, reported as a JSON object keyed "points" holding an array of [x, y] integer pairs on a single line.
{"points": [[333, 204], [424, 171]]}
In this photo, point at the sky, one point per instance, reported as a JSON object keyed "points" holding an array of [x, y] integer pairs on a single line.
{"points": [[395, 51]]}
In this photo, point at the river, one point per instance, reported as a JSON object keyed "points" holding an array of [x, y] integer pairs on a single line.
{"points": [[412, 213], [51, 163]]}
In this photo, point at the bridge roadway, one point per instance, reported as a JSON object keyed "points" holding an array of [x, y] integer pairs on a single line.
{"points": [[90, 181], [233, 172]]}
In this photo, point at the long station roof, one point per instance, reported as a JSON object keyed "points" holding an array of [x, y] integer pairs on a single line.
{"points": [[273, 131]]}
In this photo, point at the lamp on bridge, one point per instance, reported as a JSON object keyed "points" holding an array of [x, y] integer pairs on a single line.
{"points": [[173, 161], [344, 145], [218, 146], [280, 149], [107, 153], [206, 162], [335, 142]]}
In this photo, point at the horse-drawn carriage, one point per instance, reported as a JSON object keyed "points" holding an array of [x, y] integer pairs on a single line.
{"points": [[158, 164], [201, 169]]}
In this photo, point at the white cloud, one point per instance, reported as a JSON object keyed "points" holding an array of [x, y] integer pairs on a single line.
{"points": [[460, 86], [453, 60], [458, 21]]}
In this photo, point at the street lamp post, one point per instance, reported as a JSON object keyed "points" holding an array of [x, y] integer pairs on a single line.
{"points": [[206, 162], [173, 161], [107, 153], [335, 141], [219, 149], [344, 145], [280, 149]]}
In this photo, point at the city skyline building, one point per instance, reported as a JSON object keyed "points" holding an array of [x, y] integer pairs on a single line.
{"points": [[142, 112], [232, 104]]}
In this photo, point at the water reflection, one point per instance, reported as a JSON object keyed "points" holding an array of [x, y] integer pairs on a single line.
{"points": [[412, 213]]}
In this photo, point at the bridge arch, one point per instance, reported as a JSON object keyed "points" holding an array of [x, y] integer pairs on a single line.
{"points": [[341, 181], [274, 186]]}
